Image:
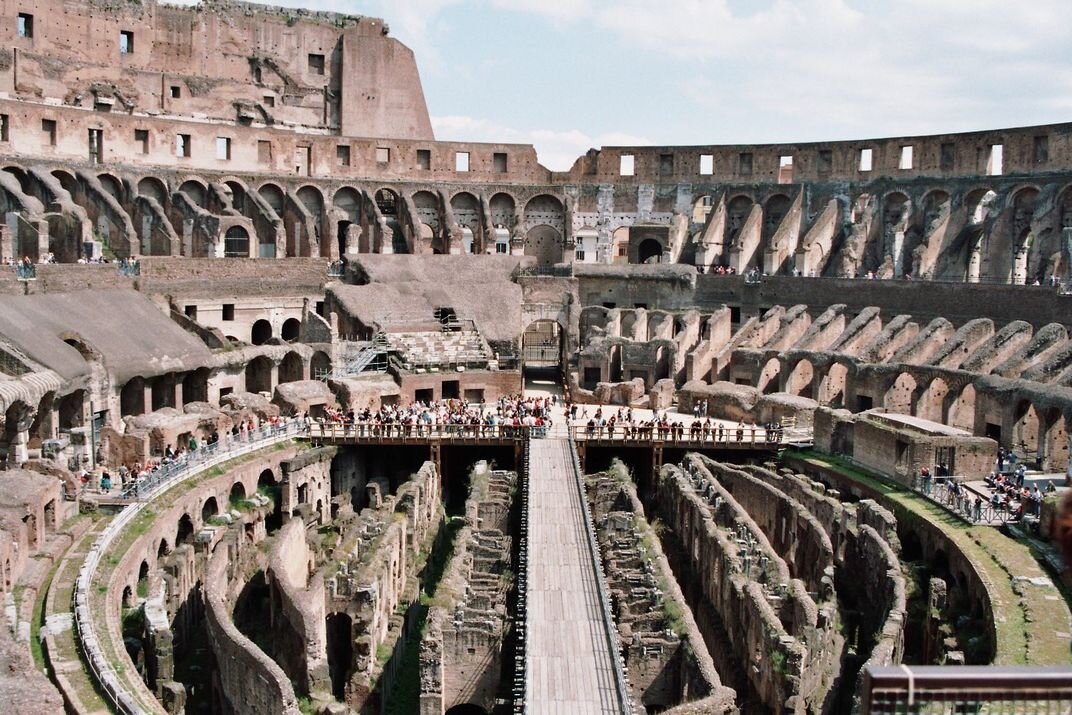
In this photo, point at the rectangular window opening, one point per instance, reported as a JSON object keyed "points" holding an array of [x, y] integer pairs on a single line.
{"points": [[626, 165], [269, 100], [707, 164], [1042, 149], [141, 138], [906, 157], [4, 127], [126, 42], [264, 151], [744, 164], [96, 146], [424, 159], [175, 91], [383, 155], [223, 148], [461, 161], [228, 311], [785, 169], [48, 128], [826, 161], [316, 64], [948, 156], [342, 155], [866, 158], [25, 24], [182, 145], [666, 164], [499, 162], [994, 164], [190, 311]]}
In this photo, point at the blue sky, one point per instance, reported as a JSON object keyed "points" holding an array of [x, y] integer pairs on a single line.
{"points": [[567, 75]]}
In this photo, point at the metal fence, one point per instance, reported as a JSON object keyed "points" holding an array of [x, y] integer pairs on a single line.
{"points": [[418, 432], [951, 494], [730, 436], [982, 690]]}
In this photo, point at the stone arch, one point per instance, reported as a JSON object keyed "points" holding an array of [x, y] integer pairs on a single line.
{"points": [[291, 368], [737, 210], [961, 412], [196, 190], [67, 181], [261, 332], [1053, 442], [195, 386], [387, 201], [620, 245], [154, 188], [72, 410], [132, 397], [503, 210], [291, 330], [702, 206], [767, 382], [184, 531], [650, 250], [427, 209], [237, 191], [801, 378], [237, 493], [1025, 429], [163, 549], [320, 365], [832, 385], [1023, 201], [544, 242], [898, 397], [347, 203], [775, 209], [259, 375], [209, 509], [930, 399], [273, 196], [115, 187], [143, 578], [468, 214], [236, 242]]}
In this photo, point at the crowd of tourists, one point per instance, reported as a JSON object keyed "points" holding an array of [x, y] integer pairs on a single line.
{"points": [[455, 415]]}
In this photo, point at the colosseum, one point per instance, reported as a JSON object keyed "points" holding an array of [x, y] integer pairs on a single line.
{"points": [[304, 411]]}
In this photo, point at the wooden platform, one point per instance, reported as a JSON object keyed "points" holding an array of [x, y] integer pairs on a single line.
{"points": [[569, 659]]}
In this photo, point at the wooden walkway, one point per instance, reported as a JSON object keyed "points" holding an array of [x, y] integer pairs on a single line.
{"points": [[570, 655]]}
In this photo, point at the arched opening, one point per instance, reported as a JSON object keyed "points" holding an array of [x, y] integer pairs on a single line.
{"points": [[162, 389], [72, 409], [1025, 431], [236, 243], [185, 531], [132, 397], [237, 495], [113, 186], [801, 379], [649, 251], [340, 648], [545, 244], [128, 597], [151, 187], [467, 709], [291, 368], [832, 386], [347, 201], [701, 209], [162, 550], [195, 386], [268, 487], [541, 346], [503, 210], [774, 211], [259, 375], [387, 202], [930, 402], [1053, 450], [962, 410], [313, 201], [767, 381], [194, 190], [737, 211], [237, 192], [898, 397], [209, 509], [320, 365], [261, 332], [274, 197], [143, 579], [291, 329], [467, 213]]}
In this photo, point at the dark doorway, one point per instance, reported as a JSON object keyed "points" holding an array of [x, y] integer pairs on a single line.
{"points": [[340, 652]]}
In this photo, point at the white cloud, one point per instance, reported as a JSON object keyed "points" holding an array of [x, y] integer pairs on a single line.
{"points": [[557, 149]]}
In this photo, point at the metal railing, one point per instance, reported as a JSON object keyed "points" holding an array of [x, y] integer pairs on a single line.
{"points": [[749, 436], [227, 445], [521, 682], [922, 690], [106, 674], [556, 271], [621, 683], [950, 493], [420, 432]]}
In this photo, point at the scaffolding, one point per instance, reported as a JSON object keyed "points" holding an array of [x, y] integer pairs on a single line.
{"points": [[357, 357]]}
